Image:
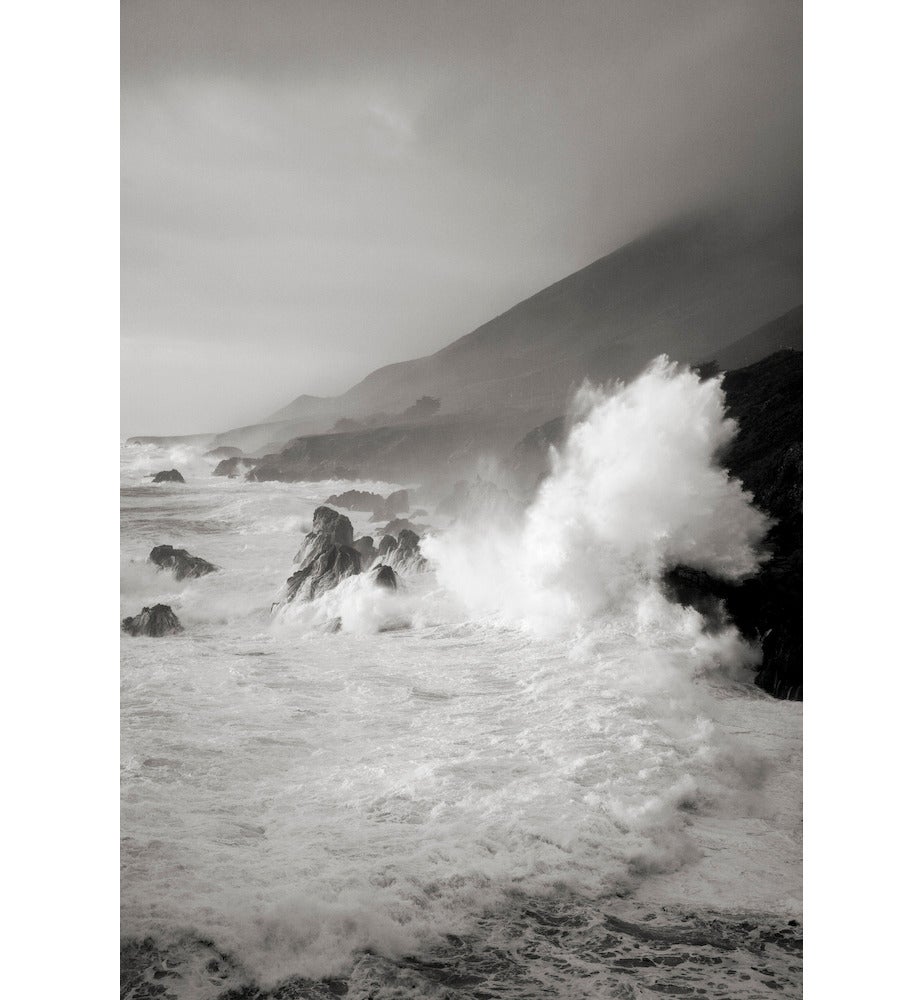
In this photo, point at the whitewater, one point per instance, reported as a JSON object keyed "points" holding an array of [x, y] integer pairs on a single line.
{"points": [[524, 774]]}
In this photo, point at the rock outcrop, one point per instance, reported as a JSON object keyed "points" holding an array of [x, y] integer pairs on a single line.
{"points": [[325, 570], [180, 563], [330, 554], [234, 466], [365, 548], [326, 556], [401, 553], [359, 500], [168, 476], [329, 526], [157, 621], [384, 577], [379, 507], [387, 544], [224, 451], [766, 455], [399, 524]]}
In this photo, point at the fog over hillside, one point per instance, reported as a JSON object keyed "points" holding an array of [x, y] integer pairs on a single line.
{"points": [[313, 194]]}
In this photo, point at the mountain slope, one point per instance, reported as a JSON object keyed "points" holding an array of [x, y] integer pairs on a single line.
{"points": [[686, 289]]}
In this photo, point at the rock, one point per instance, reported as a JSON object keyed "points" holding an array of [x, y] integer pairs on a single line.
{"points": [[384, 577], [766, 455], [156, 621], [529, 458], [407, 555], [329, 526], [359, 500], [180, 563], [399, 524], [233, 466], [387, 544], [367, 551], [396, 503], [326, 569], [169, 476], [327, 556], [224, 451]]}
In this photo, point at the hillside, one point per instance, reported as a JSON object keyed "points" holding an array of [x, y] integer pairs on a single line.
{"points": [[690, 289]]}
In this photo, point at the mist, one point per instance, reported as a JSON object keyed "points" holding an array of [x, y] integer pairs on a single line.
{"points": [[309, 195]]}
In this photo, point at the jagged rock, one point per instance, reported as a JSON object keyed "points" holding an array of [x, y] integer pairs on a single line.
{"points": [[328, 526], [224, 451], [156, 621], [367, 551], [359, 500], [169, 476], [179, 562], [233, 466], [325, 570], [407, 555], [384, 577], [387, 544]]}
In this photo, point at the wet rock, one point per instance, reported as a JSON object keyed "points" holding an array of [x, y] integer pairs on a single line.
{"points": [[224, 451], [329, 526], [326, 569], [387, 544], [168, 476], [399, 524], [384, 576], [233, 467], [367, 551], [180, 563], [359, 500], [407, 555], [156, 621]]}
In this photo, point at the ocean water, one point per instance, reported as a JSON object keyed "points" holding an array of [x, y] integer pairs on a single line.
{"points": [[498, 782]]}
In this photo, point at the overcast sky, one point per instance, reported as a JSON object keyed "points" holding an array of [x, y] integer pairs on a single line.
{"points": [[313, 189]]}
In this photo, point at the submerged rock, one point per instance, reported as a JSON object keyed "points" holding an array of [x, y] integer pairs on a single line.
{"points": [[180, 563], [168, 476], [156, 621]]}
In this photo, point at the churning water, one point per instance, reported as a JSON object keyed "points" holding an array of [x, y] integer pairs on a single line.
{"points": [[523, 775]]}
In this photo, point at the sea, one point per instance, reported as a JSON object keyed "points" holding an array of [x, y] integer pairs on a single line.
{"points": [[524, 774]]}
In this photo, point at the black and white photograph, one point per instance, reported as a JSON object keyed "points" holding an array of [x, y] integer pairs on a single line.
{"points": [[461, 521]]}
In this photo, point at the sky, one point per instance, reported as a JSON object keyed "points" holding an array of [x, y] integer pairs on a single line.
{"points": [[313, 189]]}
